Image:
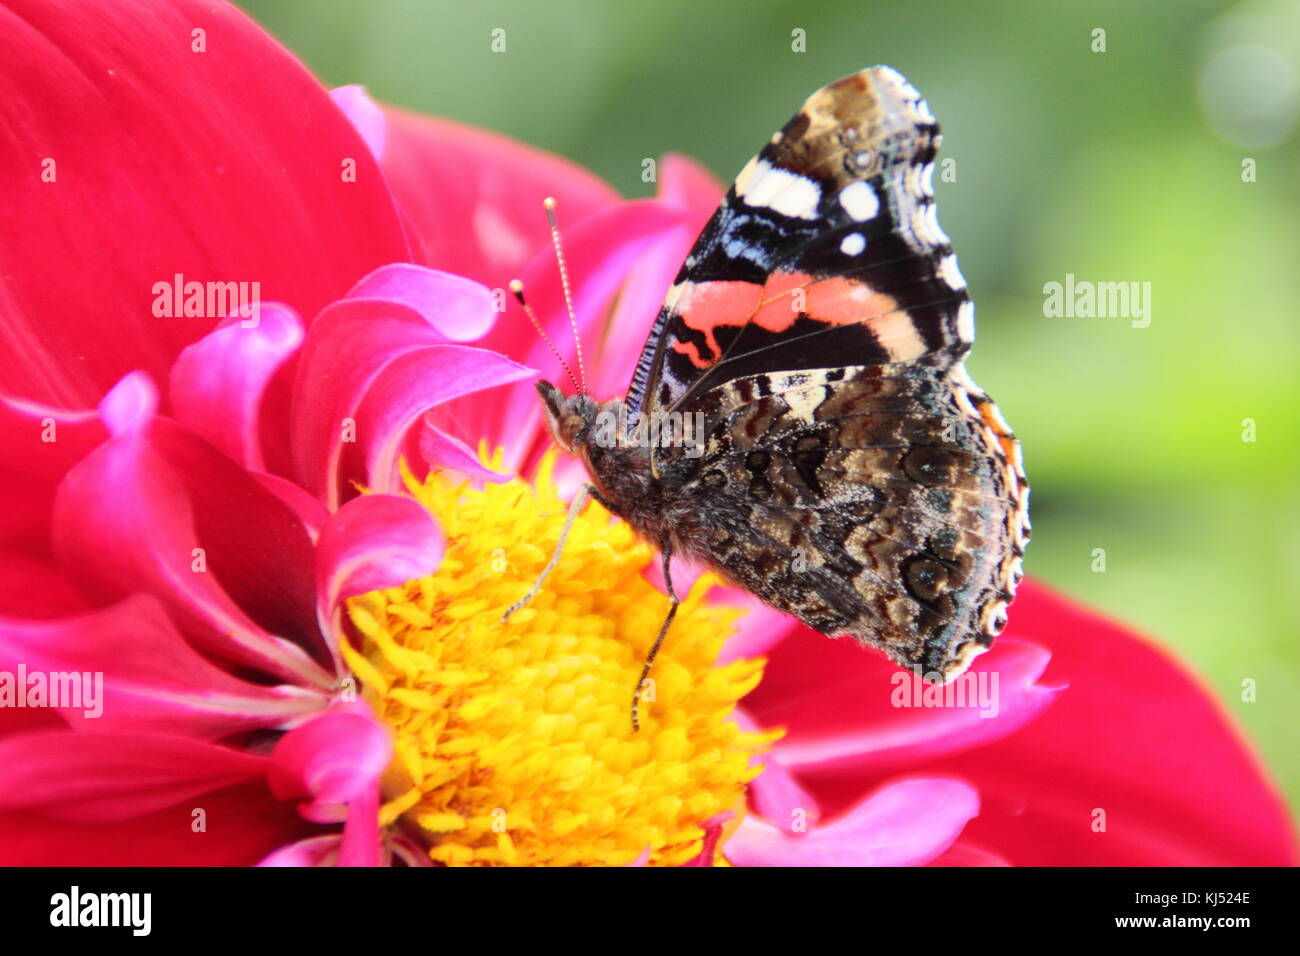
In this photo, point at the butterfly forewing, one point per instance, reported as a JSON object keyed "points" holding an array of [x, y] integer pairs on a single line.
{"points": [[825, 246]]}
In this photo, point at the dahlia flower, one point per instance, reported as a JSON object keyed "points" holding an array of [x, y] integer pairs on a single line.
{"points": [[283, 539]]}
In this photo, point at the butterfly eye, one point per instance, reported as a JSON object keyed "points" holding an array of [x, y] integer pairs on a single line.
{"points": [[863, 158], [570, 428]]}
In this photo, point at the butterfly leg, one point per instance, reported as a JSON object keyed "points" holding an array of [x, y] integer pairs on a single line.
{"points": [[663, 632], [575, 508]]}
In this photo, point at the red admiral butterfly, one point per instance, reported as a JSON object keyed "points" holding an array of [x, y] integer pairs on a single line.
{"points": [[848, 471]]}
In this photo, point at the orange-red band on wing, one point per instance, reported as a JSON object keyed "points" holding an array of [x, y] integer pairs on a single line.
{"points": [[775, 305]]}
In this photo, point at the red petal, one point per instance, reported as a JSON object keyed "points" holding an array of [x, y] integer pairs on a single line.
{"points": [[33, 586], [112, 777], [1134, 735], [40, 444], [240, 825], [846, 707], [965, 853], [222, 165], [473, 199]]}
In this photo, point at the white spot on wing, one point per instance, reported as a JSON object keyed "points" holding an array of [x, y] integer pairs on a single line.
{"points": [[853, 244], [949, 272], [745, 178], [859, 201], [966, 321], [771, 187]]}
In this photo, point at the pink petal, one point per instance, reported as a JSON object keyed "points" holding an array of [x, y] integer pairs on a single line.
{"points": [[225, 165], [336, 760], [905, 823], [218, 383], [459, 309], [314, 851], [362, 839], [639, 301], [695, 192], [407, 388], [130, 405], [761, 629], [350, 344], [150, 678], [685, 182], [440, 450], [131, 514], [689, 187], [114, 776], [375, 541], [364, 114], [332, 759], [776, 796], [601, 251], [965, 853]]}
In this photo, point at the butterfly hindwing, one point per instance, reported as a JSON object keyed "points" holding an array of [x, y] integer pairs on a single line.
{"points": [[885, 502]]}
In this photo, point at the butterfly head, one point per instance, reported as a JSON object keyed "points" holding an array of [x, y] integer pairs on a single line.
{"points": [[569, 417]]}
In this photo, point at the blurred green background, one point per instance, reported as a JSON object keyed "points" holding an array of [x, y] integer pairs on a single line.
{"points": [[1123, 165]]}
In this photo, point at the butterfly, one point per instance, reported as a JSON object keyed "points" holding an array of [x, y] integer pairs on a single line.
{"points": [[801, 420]]}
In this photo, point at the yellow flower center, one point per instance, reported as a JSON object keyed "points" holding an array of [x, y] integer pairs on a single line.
{"points": [[514, 741]]}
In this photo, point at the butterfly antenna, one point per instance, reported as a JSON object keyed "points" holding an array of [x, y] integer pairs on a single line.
{"points": [[549, 205], [517, 290]]}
